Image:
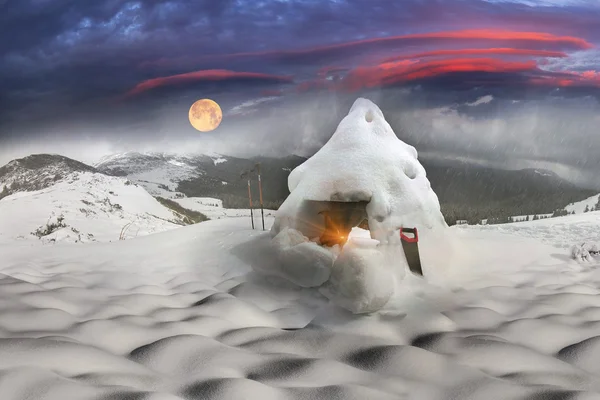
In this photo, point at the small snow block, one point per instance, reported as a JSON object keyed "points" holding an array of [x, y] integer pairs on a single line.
{"points": [[411, 249]]}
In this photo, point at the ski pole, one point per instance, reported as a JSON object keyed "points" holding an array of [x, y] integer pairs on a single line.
{"points": [[250, 198], [262, 212]]}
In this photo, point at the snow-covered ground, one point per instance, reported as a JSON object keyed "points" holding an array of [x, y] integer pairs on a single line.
{"points": [[530, 217], [561, 232], [91, 206], [182, 315], [580, 206], [213, 208]]}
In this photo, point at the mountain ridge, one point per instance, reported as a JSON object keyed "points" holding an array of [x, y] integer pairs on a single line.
{"points": [[37, 171], [466, 191], [50, 198]]}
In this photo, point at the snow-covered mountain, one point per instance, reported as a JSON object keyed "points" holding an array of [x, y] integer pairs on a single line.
{"points": [[37, 171], [50, 198], [202, 175], [158, 173]]}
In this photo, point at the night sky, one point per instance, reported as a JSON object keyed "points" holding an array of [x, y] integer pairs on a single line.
{"points": [[512, 84]]}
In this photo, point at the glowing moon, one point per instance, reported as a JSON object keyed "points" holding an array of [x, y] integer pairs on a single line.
{"points": [[205, 115]]}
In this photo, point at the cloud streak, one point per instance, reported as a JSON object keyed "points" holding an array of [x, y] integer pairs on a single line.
{"points": [[478, 52], [204, 76], [396, 72], [539, 41]]}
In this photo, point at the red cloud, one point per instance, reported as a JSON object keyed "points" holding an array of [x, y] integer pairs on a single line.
{"points": [[463, 35], [204, 75], [567, 79], [491, 51], [504, 35], [409, 70]]}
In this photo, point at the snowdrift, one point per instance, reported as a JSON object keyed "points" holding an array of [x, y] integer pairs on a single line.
{"points": [[180, 315], [364, 161]]}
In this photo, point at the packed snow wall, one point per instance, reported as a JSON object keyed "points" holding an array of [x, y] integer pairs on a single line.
{"points": [[364, 161]]}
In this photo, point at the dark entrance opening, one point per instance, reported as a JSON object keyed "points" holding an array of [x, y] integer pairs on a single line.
{"points": [[340, 217]]}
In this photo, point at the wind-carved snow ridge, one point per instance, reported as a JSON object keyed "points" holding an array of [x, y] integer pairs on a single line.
{"points": [[363, 161]]}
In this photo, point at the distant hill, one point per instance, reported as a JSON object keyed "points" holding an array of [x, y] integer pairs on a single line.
{"points": [[474, 193], [214, 175], [50, 198], [37, 171], [466, 191]]}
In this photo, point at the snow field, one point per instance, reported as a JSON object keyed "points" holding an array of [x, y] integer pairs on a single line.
{"points": [[182, 315]]}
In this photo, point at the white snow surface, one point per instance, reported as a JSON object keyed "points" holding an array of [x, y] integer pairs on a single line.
{"points": [[94, 207], [182, 315], [363, 161], [560, 232], [213, 209], [580, 206]]}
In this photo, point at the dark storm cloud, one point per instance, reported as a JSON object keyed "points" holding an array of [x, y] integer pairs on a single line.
{"points": [[65, 66], [133, 41], [506, 128]]}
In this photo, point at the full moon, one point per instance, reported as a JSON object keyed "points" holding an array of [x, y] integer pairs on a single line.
{"points": [[205, 115]]}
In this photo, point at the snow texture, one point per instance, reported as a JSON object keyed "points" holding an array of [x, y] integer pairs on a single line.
{"points": [[585, 252], [180, 315], [213, 209], [562, 232], [363, 161], [580, 207]]}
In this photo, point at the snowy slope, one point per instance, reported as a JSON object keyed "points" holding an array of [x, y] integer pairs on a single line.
{"points": [[213, 208], [560, 232], [580, 206], [158, 173], [92, 207], [182, 315]]}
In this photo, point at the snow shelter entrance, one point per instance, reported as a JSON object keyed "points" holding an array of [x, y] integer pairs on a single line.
{"points": [[340, 217]]}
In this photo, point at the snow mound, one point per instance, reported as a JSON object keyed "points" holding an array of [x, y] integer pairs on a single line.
{"points": [[364, 161], [361, 278]]}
